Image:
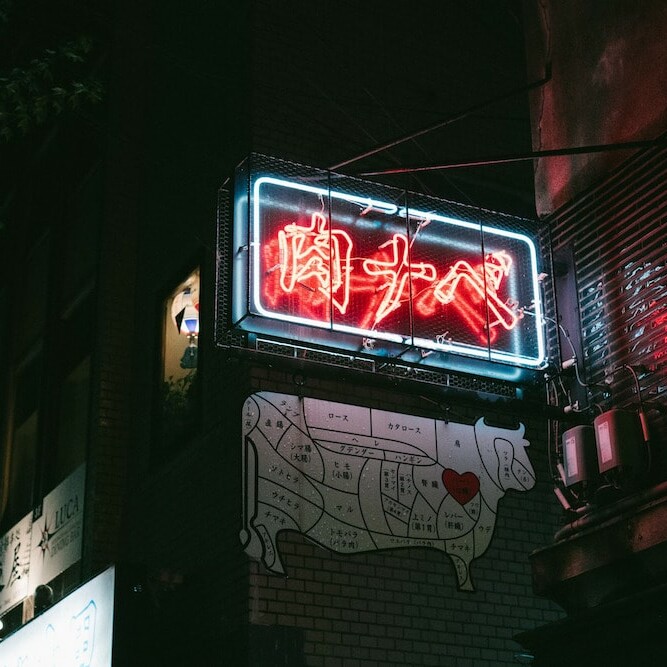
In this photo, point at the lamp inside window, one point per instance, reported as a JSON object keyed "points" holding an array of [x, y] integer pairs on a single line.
{"points": [[182, 328], [179, 395]]}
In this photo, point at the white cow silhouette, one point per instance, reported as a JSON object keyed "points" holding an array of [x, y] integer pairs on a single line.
{"points": [[356, 479]]}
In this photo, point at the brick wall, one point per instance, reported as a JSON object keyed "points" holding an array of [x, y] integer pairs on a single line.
{"points": [[390, 607], [334, 90], [402, 606], [185, 514]]}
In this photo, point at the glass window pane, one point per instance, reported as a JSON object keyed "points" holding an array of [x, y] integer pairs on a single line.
{"points": [[73, 421], [29, 310], [81, 242], [23, 446], [22, 467]]}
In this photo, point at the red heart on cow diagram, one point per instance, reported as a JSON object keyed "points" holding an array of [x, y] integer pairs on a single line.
{"points": [[463, 488]]}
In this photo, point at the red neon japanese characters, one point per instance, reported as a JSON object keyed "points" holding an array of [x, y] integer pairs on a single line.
{"points": [[394, 275], [469, 287], [320, 275], [316, 259]]}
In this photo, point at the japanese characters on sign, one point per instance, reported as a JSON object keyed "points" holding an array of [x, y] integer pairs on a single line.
{"points": [[15, 563], [374, 273], [44, 543]]}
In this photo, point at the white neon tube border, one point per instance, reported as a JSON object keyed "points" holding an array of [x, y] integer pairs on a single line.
{"points": [[391, 209]]}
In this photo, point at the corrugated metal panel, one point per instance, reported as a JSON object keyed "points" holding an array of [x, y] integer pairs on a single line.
{"points": [[617, 233]]}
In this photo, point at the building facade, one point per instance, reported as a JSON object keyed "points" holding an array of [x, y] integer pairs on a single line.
{"points": [[267, 492]]}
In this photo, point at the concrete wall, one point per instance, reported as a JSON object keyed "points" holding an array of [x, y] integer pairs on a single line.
{"points": [[609, 66]]}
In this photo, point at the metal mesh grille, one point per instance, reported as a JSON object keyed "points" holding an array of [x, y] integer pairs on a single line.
{"points": [[223, 269], [388, 369], [313, 354], [227, 336]]}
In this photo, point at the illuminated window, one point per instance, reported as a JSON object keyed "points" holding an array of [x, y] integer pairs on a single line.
{"points": [[179, 408]]}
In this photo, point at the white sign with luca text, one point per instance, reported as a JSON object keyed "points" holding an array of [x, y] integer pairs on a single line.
{"points": [[57, 532]]}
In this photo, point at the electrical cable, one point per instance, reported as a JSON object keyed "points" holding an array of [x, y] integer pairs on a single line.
{"points": [[518, 157], [574, 358], [447, 121]]}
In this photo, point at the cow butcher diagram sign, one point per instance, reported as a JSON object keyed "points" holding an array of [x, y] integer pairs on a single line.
{"points": [[355, 479]]}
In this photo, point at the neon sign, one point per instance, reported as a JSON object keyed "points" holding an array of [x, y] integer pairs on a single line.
{"points": [[338, 268]]}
